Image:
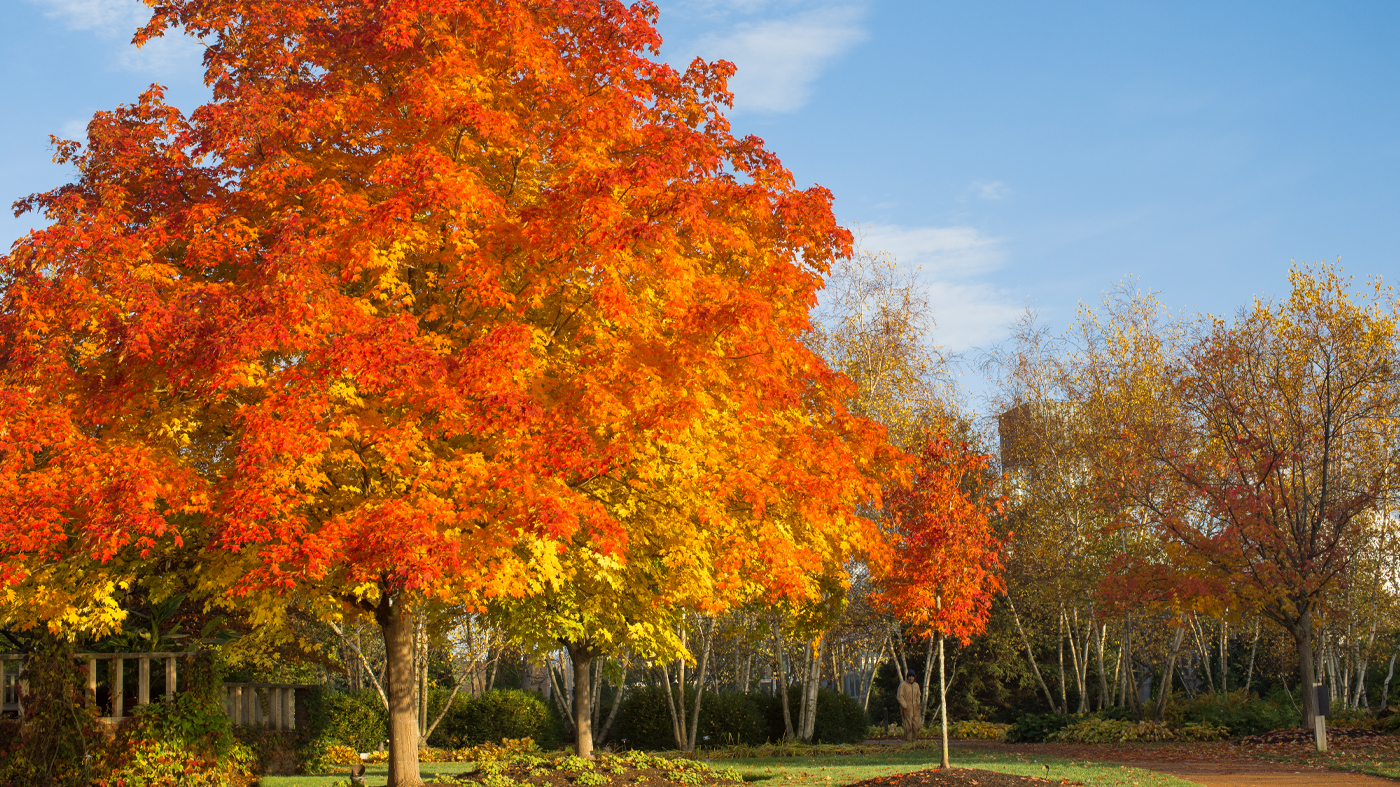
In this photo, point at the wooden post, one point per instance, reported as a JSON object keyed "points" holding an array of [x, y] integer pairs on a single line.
{"points": [[143, 681], [274, 707], [170, 662], [1320, 718], [237, 706], [4, 686], [92, 682], [115, 680], [290, 712]]}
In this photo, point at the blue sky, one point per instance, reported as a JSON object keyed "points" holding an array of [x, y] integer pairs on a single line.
{"points": [[1016, 152]]}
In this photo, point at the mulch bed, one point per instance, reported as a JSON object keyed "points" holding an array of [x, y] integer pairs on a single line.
{"points": [[1307, 736], [957, 777]]}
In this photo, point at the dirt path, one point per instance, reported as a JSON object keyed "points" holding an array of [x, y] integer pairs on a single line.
{"points": [[1203, 766]]}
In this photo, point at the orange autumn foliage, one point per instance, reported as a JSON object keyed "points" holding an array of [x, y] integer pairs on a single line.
{"points": [[944, 565], [429, 291]]}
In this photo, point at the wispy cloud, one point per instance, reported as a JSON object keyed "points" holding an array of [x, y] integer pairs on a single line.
{"points": [[106, 17], [779, 48], [988, 189], [954, 265], [118, 21]]}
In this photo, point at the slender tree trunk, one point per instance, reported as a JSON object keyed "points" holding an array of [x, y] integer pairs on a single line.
{"points": [[1060, 650], [616, 703], [1118, 697], [1165, 690], [1224, 666], [1364, 663], [809, 694], [1131, 687], [1249, 675], [942, 702], [1198, 635], [561, 696], [677, 714], [1103, 677], [870, 680], [1385, 690], [396, 622], [788, 732], [1030, 656], [700, 685], [927, 696]]}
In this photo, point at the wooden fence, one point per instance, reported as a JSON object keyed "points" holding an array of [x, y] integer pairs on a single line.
{"points": [[271, 705]]}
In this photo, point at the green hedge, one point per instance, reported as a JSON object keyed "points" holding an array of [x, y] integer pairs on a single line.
{"points": [[355, 718], [644, 720], [840, 719], [502, 713]]}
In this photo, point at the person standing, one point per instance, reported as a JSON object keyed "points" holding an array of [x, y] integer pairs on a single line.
{"points": [[911, 707]]}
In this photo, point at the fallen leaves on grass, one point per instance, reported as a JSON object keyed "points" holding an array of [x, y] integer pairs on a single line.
{"points": [[958, 777]]}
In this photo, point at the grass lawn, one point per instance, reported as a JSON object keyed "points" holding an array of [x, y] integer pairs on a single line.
{"points": [[839, 770], [832, 771]]}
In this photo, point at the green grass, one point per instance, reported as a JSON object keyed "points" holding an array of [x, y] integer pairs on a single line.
{"points": [[833, 771]]}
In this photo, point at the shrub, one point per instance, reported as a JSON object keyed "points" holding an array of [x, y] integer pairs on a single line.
{"points": [[184, 740], [644, 720], [1095, 730], [1205, 731], [977, 730], [1034, 728], [498, 714], [1243, 714], [840, 719], [59, 731], [730, 718], [356, 719]]}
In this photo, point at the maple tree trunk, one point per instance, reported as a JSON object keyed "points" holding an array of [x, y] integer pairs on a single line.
{"points": [[583, 700], [396, 622], [942, 702], [1302, 631]]}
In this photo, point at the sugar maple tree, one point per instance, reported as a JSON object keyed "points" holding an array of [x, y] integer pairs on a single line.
{"points": [[429, 294], [944, 564]]}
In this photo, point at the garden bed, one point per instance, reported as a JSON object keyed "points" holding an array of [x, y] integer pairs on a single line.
{"points": [[633, 769], [957, 777]]}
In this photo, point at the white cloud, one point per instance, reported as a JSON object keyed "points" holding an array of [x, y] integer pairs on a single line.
{"points": [[75, 129], [107, 17], [988, 189], [954, 265], [777, 57], [119, 20]]}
